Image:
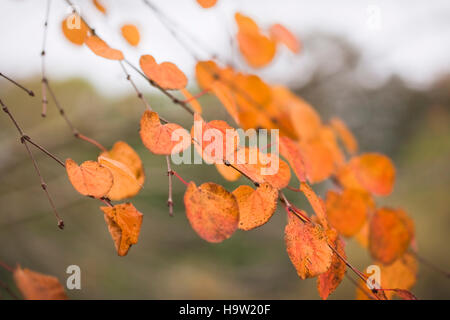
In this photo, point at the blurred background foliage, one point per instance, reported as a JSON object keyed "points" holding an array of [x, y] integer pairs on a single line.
{"points": [[412, 126]]}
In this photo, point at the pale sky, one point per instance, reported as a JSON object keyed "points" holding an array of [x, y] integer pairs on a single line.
{"points": [[406, 37]]}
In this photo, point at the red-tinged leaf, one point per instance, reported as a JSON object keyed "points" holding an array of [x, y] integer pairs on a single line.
{"points": [[290, 150], [328, 282], [390, 234], [212, 211], [307, 248], [316, 203]]}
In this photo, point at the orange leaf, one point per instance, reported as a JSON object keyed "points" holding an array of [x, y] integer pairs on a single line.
{"points": [[131, 33], [90, 178], [126, 168], [214, 140], [207, 3], [346, 136], [225, 96], [401, 274], [100, 48], [212, 211], [256, 207], [166, 75], [390, 234], [246, 24], [227, 172], [279, 33], [99, 6], [124, 224], [347, 211], [75, 33], [375, 172], [291, 151], [316, 203], [328, 282], [158, 138], [37, 286], [307, 248], [305, 118], [206, 72]]}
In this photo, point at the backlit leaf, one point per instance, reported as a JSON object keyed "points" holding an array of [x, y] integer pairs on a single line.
{"points": [[100, 48], [131, 33], [74, 29], [290, 150], [280, 33], [90, 178], [328, 282], [99, 6], [166, 74], [316, 203], [345, 135], [207, 3]]}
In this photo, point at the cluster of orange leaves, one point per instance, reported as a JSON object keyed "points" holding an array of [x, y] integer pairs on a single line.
{"points": [[313, 150]]}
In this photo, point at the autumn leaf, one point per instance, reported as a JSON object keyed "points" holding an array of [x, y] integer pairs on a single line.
{"points": [[215, 140], [131, 34], [225, 96], [158, 138], [99, 6], [307, 248], [76, 34], [207, 3], [305, 118], [37, 286], [100, 48], [124, 224], [280, 33], [375, 172], [345, 135], [227, 172], [390, 234], [401, 274], [256, 207], [328, 282], [206, 72], [166, 75], [316, 203], [90, 178], [347, 211], [212, 211], [257, 49], [290, 150]]}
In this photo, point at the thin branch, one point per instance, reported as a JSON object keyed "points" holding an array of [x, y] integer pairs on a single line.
{"points": [[170, 173], [6, 266], [31, 93], [430, 264], [180, 178], [43, 53], [139, 94], [24, 140]]}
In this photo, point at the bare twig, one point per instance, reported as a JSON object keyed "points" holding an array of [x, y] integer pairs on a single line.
{"points": [[169, 174], [31, 93], [25, 139], [43, 53], [430, 264]]}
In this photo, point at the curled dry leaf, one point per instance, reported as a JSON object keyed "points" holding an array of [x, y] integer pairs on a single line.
{"points": [[257, 49], [101, 48], [212, 211], [256, 207], [74, 29], [90, 178], [207, 3], [347, 211], [280, 33], [131, 33], [375, 172], [126, 168], [290, 150], [166, 74], [227, 172], [346, 136], [124, 224], [328, 282], [166, 139], [37, 286], [390, 234], [307, 248]]}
